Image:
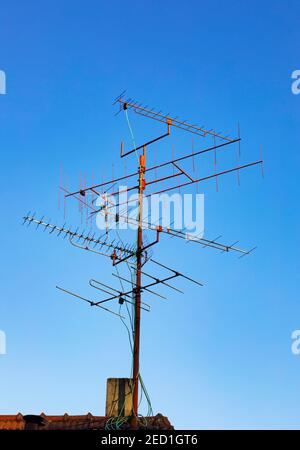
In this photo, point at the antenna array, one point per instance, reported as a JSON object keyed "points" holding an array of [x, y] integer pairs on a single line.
{"points": [[136, 256]]}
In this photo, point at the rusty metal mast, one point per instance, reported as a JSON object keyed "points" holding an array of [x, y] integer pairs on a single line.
{"points": [[137, 315]]}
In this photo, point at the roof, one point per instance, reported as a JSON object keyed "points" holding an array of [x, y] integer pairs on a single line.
{"points": [[78, 422], [12, 422]]}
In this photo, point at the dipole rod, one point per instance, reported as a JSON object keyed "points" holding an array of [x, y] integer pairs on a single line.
{"points": [[137, 315]]}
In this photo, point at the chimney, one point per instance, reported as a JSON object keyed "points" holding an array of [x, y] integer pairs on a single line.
{"points": [[118, 397]]}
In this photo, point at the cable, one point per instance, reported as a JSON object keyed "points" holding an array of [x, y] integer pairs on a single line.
{"points": [[132, 135]]}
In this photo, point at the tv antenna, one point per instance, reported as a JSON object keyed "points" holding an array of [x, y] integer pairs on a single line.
{"points": [[146, 183]]}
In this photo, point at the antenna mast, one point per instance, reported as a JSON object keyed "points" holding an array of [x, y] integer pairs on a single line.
{"points": [[137, 311]]}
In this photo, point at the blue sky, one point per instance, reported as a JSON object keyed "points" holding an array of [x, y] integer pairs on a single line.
{"points": [[219, 356]]}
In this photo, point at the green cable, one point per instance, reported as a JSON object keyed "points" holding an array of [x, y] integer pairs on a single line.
{"points": [[131, 132]]}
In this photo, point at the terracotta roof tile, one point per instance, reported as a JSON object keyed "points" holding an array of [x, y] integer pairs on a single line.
{"points": [[78, 422], [12, 422]]}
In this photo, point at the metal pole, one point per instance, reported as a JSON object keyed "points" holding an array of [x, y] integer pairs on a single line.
{"points": [[137, 316]]}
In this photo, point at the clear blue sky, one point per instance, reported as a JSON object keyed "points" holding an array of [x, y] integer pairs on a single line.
{"points": [[219, 356]]}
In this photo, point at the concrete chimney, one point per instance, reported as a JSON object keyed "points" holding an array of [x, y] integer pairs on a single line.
{"points": [[118, 397]]}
